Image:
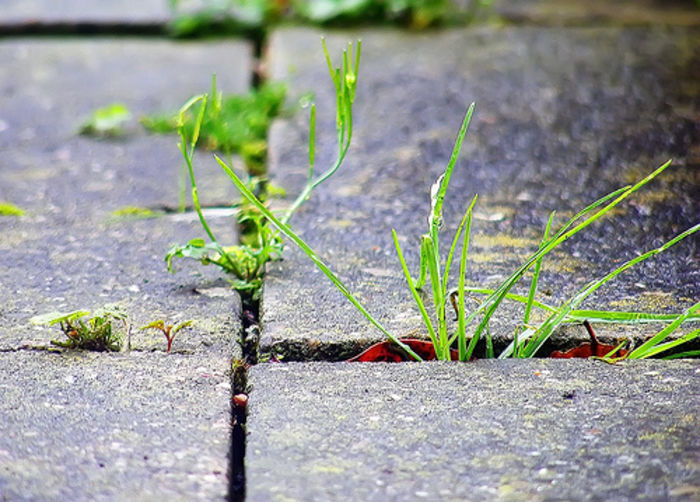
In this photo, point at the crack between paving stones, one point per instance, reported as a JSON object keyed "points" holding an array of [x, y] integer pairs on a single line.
{"points": [[92, 28], [249, 339]]}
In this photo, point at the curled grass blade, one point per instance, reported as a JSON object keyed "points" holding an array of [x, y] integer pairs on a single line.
{"points": [[188, 155]]}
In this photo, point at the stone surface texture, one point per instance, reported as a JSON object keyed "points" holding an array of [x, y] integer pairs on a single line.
{"points": [[489, 430], [51, 87], [563, 117], [599, 12], [45, 12], [138, 425]]}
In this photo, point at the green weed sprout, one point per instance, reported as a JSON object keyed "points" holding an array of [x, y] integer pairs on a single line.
{"points": [[168, 330], [232, 123], [7, 209], [243, 262], [246, 262], [527, 343], [98, 333], [107, 122]]}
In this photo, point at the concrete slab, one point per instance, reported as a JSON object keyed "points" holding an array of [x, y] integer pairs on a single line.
{"points": [[51, 86], [563, 117], [48, 267], [30, 13], [598, 12], [138, 426], [490, 430]]}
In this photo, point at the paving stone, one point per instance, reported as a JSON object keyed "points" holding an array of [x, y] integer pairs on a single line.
{"points": [[489, 430], [69, 252], [563, 117], [137, 426], [51, 86], [29, 13], [47, 267], [599, 12]]}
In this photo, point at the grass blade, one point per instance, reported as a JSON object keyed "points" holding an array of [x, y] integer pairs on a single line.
{"points": [[286, 230], [489, 305], [663, 347], [648, 348], [598, 316], [547, 328], [461, 314], [421, 307]]}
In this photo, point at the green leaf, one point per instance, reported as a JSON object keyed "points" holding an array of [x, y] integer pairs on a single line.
{"points": [[107, 121], [52, 318]]}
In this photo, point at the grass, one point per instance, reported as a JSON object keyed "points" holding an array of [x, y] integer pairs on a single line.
{"points": [[261, 243], [229, 123], [103, 331], [528, 340]]}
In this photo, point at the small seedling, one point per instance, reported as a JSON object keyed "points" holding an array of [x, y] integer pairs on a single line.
{"points": [[107, 122], [100, 333], [168, 330], [262, 243], [7, 209]]}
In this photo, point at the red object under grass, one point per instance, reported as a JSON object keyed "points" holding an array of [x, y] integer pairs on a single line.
{"points": [[389, 352], [588, 349]]}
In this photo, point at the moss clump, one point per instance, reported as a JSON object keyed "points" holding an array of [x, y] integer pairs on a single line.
{"points": [[134, 213], [7, 209]]}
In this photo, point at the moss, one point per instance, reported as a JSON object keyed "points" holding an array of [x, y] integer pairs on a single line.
{"points": [[505, 241], [7, 209], [134, 212], [651, 301]]}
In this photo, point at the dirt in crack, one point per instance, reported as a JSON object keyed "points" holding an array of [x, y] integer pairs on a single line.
{"points": [[250, 335]]}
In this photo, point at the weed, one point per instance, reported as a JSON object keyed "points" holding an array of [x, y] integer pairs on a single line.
{"points": [[107, 122], [262, 242], [222, 17], [97, 333], [7, 209], [168, 330], [232, 16], [531, 339], [231, 123]]}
